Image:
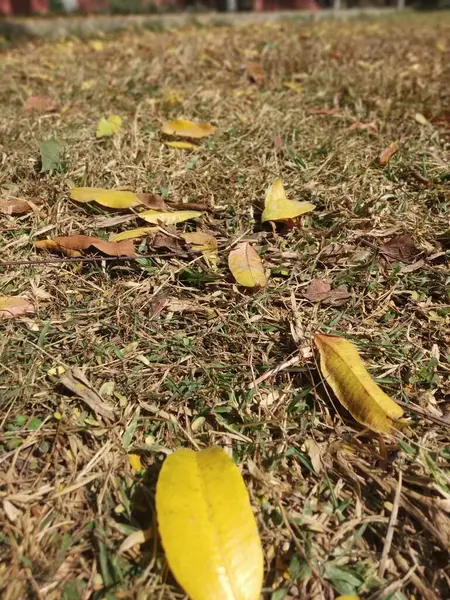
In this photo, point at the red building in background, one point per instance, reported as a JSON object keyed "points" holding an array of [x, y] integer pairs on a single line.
{"points": [[18, 7]]}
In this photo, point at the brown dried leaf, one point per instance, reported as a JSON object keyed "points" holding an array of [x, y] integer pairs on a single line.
{"points": [[255, 73], [388, 152], [400, 248], [18, 206], [153, 201], [320, 291], [76, 381], [39, 104], [371, 126], [14, 306], [72, 245], [168, 240]]}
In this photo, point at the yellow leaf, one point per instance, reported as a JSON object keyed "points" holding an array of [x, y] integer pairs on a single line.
{"points": [[109, 198], [205, 243], [88, 85], [169, 218], [388, 152], [132, 234], [183, 145], [347, 597], [135, 463], [96, 45], [184, 128], [14, 306], [344, 371], [110, 126], [246, 266], [279, 208], [295, 87], [207, 526]]}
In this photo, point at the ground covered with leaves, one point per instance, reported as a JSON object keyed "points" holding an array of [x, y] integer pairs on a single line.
{"points": [[185, 356]]}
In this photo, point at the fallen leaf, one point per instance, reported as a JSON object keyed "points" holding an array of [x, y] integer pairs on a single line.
{"points": [[135, 463], [400, 248], [109, 198], [246, 266], [110, 126], [279, 208], [344, 371], [278, 143], [320, 291], [371, 126], [169, 218], [419, 118], [388, 152], [169, 241], [207, 527], [295, 87], [347, 597], [183, 145], [204, 243], [75, 381], [255, 73], [153, 201], [313, 450], [96, 45], [18, 206], [133, 234], [39, 104], [184, 128], [14, 306], [51, 155], [72, 245], [138, 537]]}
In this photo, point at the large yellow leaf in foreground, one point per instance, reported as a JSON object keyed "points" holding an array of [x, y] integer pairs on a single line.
{"points": [[109, 198], [345, 373], [278, 208], [169, 218], [207, 526], [246, 266], [184, 128]]}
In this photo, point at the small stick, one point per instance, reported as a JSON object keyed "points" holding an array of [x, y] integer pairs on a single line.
{"points": [[87, 259], [288, 363], [391, 527]]}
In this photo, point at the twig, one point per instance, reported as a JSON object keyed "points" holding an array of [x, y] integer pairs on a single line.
{"points": [[391, 527], [288, 363], [87, 259]]}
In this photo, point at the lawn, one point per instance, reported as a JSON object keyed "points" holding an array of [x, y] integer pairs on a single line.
{"points": [[184, 355]]}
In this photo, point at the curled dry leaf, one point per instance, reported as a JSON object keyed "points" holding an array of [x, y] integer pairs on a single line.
{"points": [[278, 208], [110, 126], [15, 306], [72, 245], [344, 371], [76, 381], [388, 153], [184, 128], [246, 266], [169, 218], [183, 145], [320, 291], [400, 248], [208, 530], [18, 206], [39, 104]]}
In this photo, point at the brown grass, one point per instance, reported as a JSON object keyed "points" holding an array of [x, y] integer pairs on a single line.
{"points": [[323, 489]]}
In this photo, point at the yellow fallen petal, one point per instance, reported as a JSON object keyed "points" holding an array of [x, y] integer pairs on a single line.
{"points": [[183, 145], [246, 266], [344, 371], [279, 208], [207, 526], [184, 128], [169, 218]]}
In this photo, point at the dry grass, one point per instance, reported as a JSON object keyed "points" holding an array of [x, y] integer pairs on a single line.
{"points": [[322, 488]]}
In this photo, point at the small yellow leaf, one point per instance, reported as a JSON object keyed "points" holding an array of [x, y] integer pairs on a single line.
{"points": [[344, 371], [388, 153], [169, 218], [14, 306], [132, 234], [88, 85], [246, 266], [184, 128], [347, 597], [96, 45], [109, 198], [110, 126], [295, 87], [204, 243], [58, 370], [183, 145], [135, 463], [278, 208], [207, 526]]}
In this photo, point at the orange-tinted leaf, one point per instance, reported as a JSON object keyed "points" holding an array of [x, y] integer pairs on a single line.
{"points": [[388, 152], [72, 245], [14, 306], [246, 266], [184, 128], [39, 104], [255, 73], [18, 206]]}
